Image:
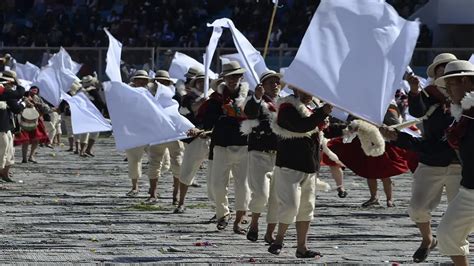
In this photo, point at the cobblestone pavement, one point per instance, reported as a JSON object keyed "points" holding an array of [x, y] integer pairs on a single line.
{"points": [[71, 209]]}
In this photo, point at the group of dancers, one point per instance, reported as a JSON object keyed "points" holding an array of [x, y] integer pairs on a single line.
{"points": [[272, 147]]}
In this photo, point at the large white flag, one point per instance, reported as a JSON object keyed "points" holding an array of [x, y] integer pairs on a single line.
{"points": [[137, 118], [210, 50], [354, 55], [64, 60], [85, 117], [181, 63], [164, 96], [65, 68], [47, 82], [114, 54], [244, 47], [256, 63], [27, 71]]}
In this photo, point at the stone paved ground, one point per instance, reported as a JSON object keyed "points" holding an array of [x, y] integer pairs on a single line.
{"points": [[70, 209]]}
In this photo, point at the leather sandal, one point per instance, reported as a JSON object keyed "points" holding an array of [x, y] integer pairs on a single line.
{"points": [[275, 249], [252, 235], [422, 253], [308, 254], [223, 222], [371, 202]]}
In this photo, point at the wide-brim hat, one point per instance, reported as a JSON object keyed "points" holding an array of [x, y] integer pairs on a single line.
{"points": [[438, 60], [140, 74], [192, 72], [232, 68], [9, 75], [199, 75], [163, 75], [458, 68], [268, 74], [87, 79]]}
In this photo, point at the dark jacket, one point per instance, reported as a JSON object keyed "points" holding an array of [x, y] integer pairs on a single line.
{"points": [[188, 110], [257, 126], [433, 149], [223, 113], [98, 102], [10, 107], [461, 137], [297, 129], [466, 152]]}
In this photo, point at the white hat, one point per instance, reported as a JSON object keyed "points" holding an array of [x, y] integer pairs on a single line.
{"points": [[9, 75], [232, 68], [268, 74], [199, 75], [163, 75], [87, 79], [456, 68], [438, 60], [140, 74], [192, 72]]}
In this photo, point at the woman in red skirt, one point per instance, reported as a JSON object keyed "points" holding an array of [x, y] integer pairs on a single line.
{"points": [[32, 132], [394, 161]]}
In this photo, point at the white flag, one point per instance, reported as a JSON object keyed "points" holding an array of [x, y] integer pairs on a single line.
{"points": [[164, 96], [354, 55], [180, 65], [85, 117], [63, 59], [47, 82], [137, 118], [114, 54], [27, 71], [244, 47], [210, 50], [65, 69]]}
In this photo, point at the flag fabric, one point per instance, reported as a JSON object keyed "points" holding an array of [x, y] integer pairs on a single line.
{"points": [[64, 60], [354, 50], [114, 54], [182, 62], [27, 71], [138, 118], [85, 117], [48, 83], [244, 47]]}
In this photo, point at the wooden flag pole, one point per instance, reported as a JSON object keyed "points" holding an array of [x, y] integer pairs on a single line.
{"points": [[275, 6]]}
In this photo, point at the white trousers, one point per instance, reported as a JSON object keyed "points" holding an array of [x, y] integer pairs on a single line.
{"points": [[7, 150], [134, 159], [457, 223], [260, 178], [210, 194], [194, 154], [68, 123], [52, 126], [226, 159], [427, 189], [84, 137], [296, 193], [176, 150]]}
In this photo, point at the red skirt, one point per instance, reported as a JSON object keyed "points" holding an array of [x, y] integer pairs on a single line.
{"points": [[394, 161], [26, 137]]}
